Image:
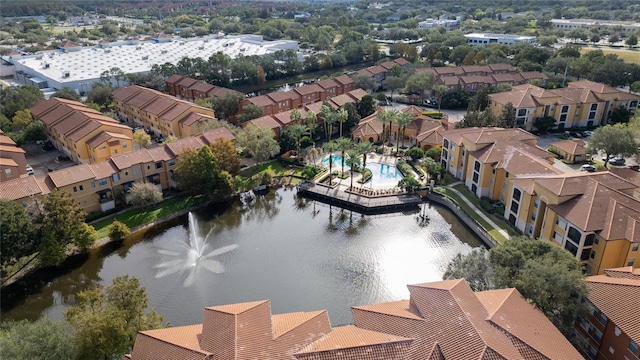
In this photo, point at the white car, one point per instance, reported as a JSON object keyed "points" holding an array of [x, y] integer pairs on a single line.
{"points": [[30, 170], [587, 167]]}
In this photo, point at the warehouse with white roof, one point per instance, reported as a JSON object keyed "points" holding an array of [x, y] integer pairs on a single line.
{"points": [[79, 67]]}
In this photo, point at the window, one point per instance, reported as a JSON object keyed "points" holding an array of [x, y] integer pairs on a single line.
{"points": [[475, 177], [563, 117], [7, 172], [598, 335], [593, 254], [635, 247], [588, 240], [631, 261], [571, 247], [574, 234], [633, 347], [81, 187], [102, 182], [159, 165], [585, 254], [522, 112], [116, 177], [565, 108], [603, 319], [514, 207], [172, 162], [594, 107], [124, 145], [75, 189], [516, 194], [596, 240], [476, 166], [93, 184]]}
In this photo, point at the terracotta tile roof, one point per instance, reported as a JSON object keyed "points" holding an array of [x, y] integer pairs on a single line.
{"points": [[327, 84], [282, 95], [593, 86], [528, 75], [456, 323], [201, 86], [501, 67], [131, 158], [125, 92], [574, 147], [477, 79], [315, 107], [488, 135], [106, 136], [476, 69], [447, 71], [284, 118], [12, 149], [176, 147], [357, 94], [71, 175], [261, 101], [525, 184], [377, 70], [8, 162], [193, 118], [343, 80], [518, 158], [449, 80], [142, 98], [172, 343], [340, 100], [265, 121], [210, 136], [308, 89], [160, 153], [174, 79], [21, 188], [69, 44], [103, 169], [618, 299], [186, 82], [284, 323], [175, 111], [401, 61], [5, 140], [368, 126], [160, 105], [388, 65], [507, 78], [350, 342], [627, 272]]}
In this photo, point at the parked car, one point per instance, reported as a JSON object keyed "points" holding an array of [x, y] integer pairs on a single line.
{"points": [[587, 167], [63, 158], [47, 146], [617, 161], [588, 133], [30, 170], [634, 167]]}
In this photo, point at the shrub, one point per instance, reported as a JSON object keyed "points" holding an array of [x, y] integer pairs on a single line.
{"points": [[305, 142], [433, 114], [365, 176], [310, 172], [486, 205], [118, 231], [404, 168]]}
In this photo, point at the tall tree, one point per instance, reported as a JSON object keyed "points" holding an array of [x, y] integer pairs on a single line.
{"points": [[343, 144], [107, 320], [43, 339], [354, 162], [141, 138], [144, 194], [100, 94], [22, 119], [330, 147], [402, 120], [297, 131], [364, 82], [16, 239], [612, 140], [197, 172], [387, 117], [67, 93], [393, 83], [366, 106], [440, 90], [250, 112], [507, 116], [259, 142], [473, 267], [227, 157], [311, 121], [13, 99], [420, 82], [342, 116], [60, 223], [226, 105]]}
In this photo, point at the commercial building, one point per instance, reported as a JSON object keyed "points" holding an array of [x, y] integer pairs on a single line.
{"points": [[79, 67], [591, 215], [97, 186], [582, 103], [160, 113], [624, 27], [495, 324], [611, 329], [436, 23], [484, 39], [84, 134]]}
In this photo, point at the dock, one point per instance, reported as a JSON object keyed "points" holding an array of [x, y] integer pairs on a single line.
{"points": [[359, 202]]}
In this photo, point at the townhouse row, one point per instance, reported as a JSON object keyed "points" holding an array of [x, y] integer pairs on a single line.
{"points": [[99, 185], [164, 115], [84, 134], [381, 72], [494, 324], [13, 163], [279, 121], [595, 216], [473, 77], [582, 103], [192, 89]]}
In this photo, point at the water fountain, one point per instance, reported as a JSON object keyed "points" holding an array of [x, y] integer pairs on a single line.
{"points": [[247, 198], [190, 257]]}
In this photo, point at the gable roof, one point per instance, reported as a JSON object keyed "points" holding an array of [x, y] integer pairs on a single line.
{"points": [[574, 147], [618, 299]]}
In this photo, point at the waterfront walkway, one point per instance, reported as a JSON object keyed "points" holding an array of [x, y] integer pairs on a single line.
{"points": [[479, 212]]}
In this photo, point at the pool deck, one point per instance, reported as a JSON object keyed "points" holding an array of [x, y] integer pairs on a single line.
{"points": [[362, 198]]}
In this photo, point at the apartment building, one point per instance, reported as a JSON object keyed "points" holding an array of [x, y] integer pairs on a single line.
{"points": [[98, 186], [85, 134], [471, 78], [582, 103], [13, 163], [162, 114], [624, 27], [192, 89], [611, 331], [495, 324]]}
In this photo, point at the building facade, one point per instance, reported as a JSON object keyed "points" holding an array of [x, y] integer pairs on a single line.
{"points": [[479, 39]]}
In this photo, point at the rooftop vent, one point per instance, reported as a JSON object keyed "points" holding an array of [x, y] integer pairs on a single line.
{"points": [[146, 57], [66, 74], [163, 51]]}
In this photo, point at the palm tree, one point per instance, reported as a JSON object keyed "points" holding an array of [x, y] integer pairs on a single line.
{"points": [[344, 144], [440, 89], [330, 147], [332, 118], [311, 120], [324, 114], [354, 162], [364, 148], [295, 116], [402, 120], [297, 131], [387, 117], [342, 116]]}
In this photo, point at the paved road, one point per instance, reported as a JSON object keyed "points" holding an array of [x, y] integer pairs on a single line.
{"points": [[43, 162]]}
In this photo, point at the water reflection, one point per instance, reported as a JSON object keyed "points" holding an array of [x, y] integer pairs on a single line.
{"points": [[301, 254]]}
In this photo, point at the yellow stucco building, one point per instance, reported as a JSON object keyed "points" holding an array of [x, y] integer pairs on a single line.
{"points": [[582, 103]]}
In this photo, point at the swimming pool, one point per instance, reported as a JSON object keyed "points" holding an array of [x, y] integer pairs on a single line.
{"points": [[337, 160], [383, 176]]}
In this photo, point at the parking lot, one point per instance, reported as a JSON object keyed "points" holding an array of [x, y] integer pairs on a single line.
{"points": [[43, 162]]}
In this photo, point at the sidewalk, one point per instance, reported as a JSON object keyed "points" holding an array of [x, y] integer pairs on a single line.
{"points": [[478, 211]]}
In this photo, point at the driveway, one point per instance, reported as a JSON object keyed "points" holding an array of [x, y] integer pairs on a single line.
{"points": [[43, 162]]}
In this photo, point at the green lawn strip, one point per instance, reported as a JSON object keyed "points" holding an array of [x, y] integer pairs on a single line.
{"points": [[137, 217], [476, 201], [497, 236], [274, 168]]}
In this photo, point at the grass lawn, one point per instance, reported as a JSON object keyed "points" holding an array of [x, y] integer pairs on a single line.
{"points": [[630, 56], [137, 217], [274, 168]]}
